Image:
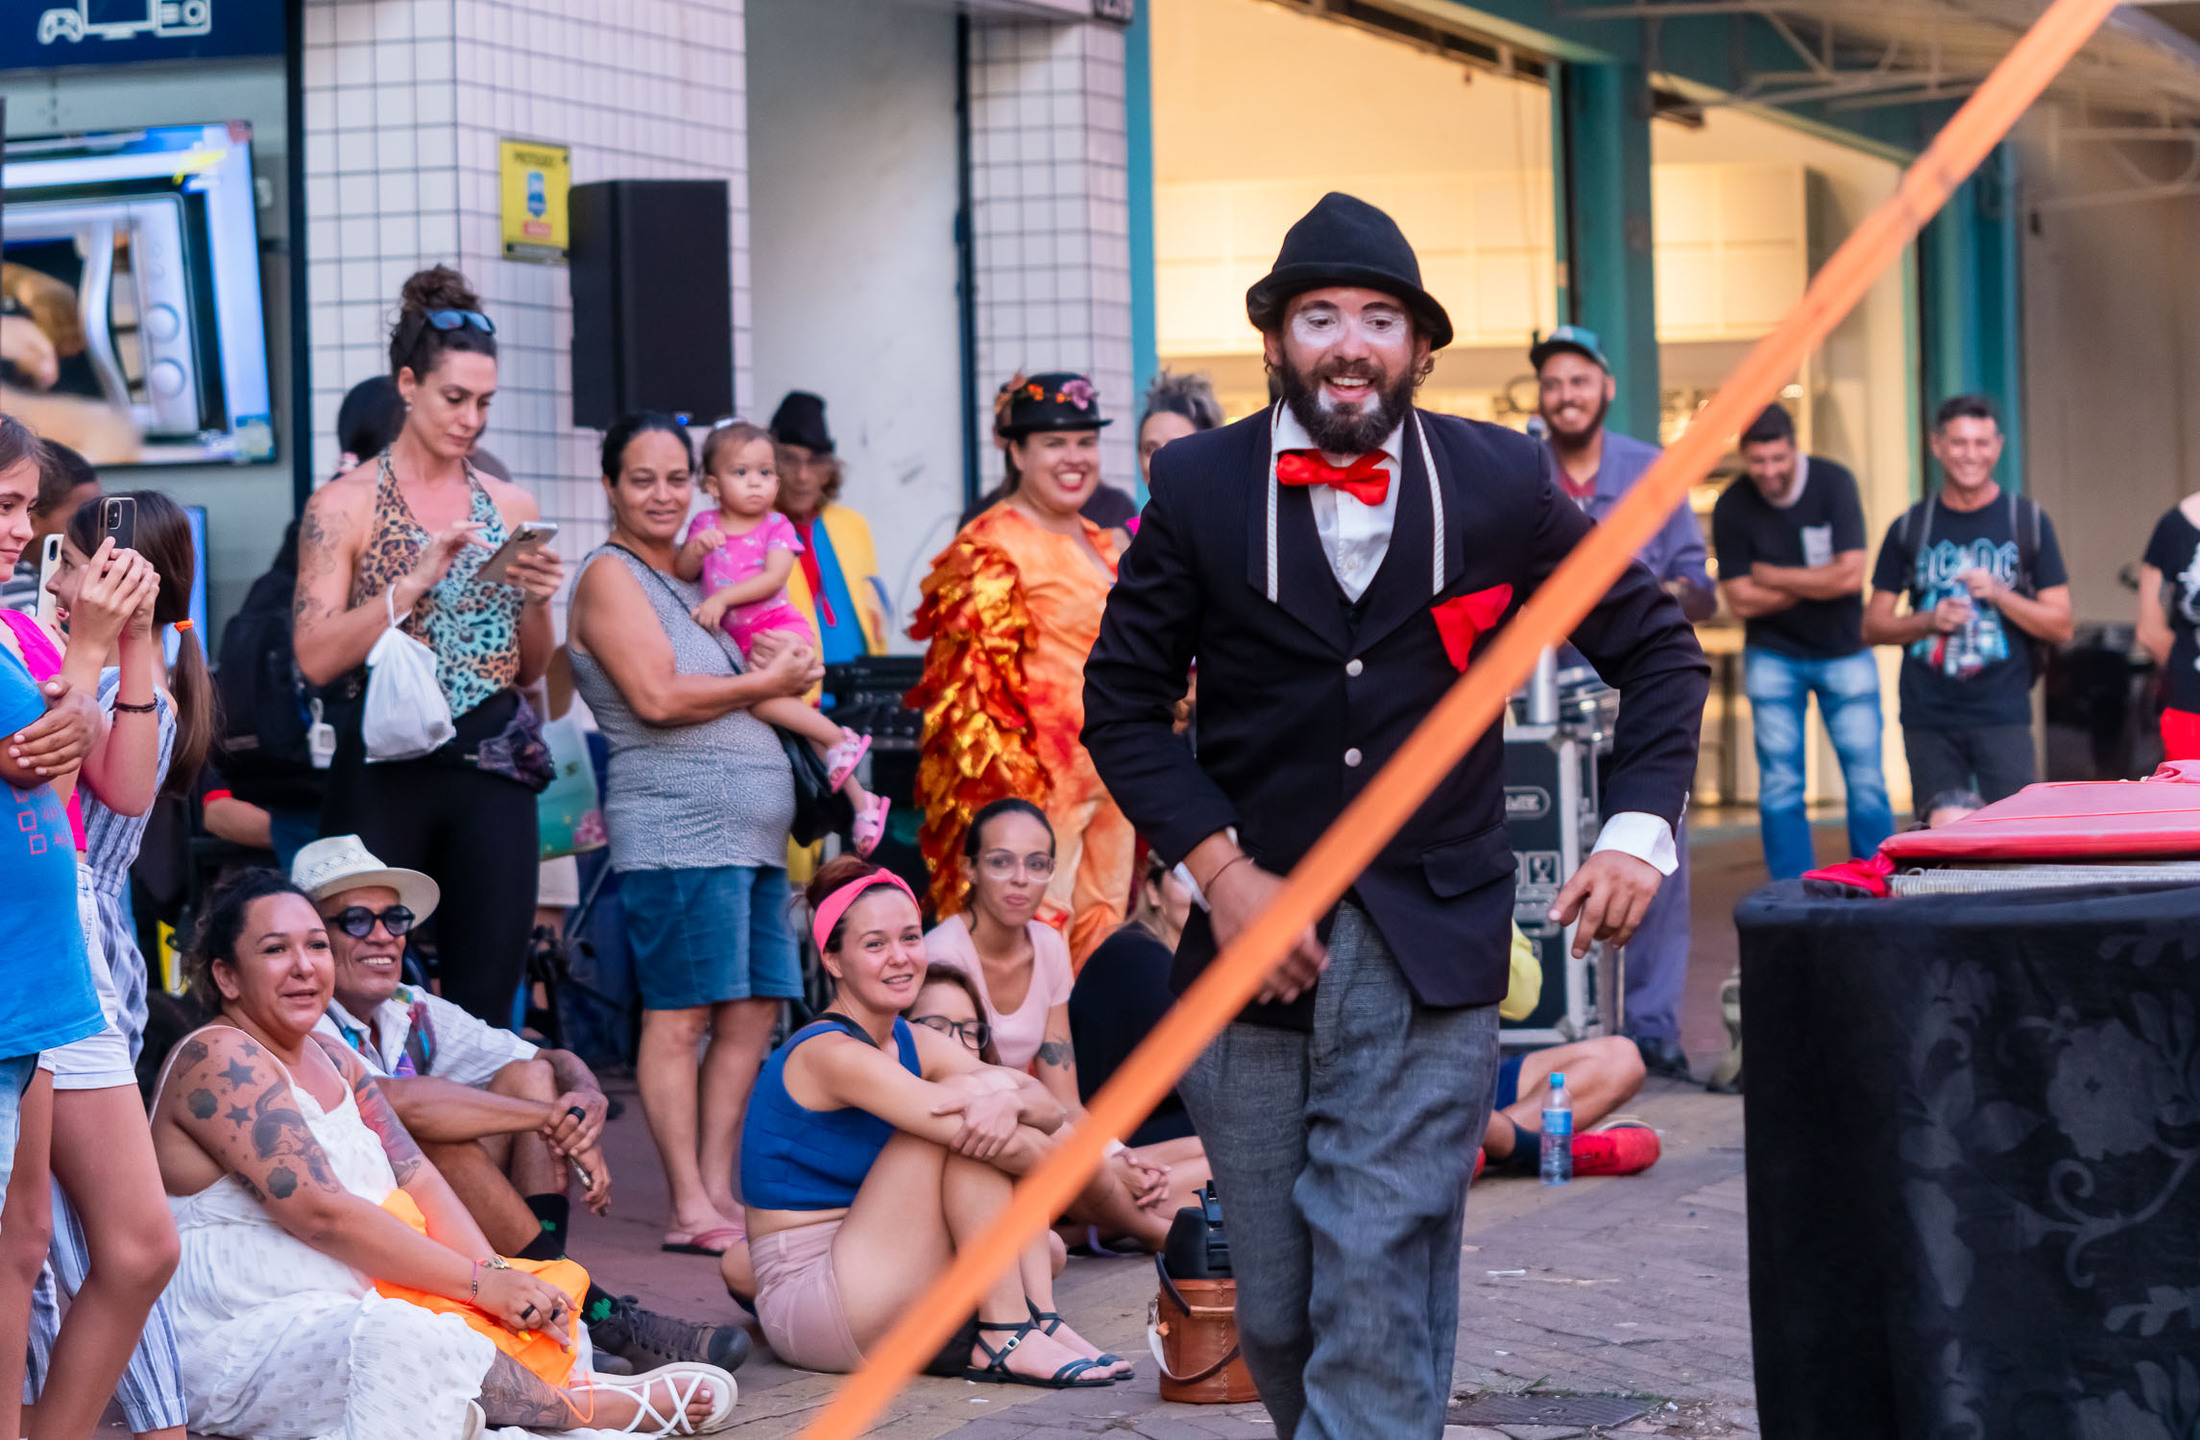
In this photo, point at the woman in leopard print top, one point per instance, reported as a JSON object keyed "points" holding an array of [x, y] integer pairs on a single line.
{"points": [[414, 525]]}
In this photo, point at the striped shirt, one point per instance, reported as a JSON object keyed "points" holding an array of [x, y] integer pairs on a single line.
{"points": [[111, 844]]}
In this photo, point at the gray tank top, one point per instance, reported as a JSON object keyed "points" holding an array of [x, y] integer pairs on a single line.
{"points": [[686, 797]]}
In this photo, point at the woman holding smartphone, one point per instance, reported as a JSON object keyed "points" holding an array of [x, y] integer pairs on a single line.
{"points": [[406, 536]]}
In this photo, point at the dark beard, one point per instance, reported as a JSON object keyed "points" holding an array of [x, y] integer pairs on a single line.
{"points": [[1345, 432], [1575, 437]]}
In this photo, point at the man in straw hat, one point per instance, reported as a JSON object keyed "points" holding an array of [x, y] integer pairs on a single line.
{"points": [[1335, 563]]}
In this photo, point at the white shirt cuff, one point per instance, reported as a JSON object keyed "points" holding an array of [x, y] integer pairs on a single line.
{"points": [[1646, 837]]}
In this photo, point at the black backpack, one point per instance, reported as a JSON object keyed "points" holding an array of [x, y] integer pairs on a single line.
{"points": [[264, 699], [2024, 523]]}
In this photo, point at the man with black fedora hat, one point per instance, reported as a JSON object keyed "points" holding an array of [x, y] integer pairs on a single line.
{"points": [[1335, 563]]}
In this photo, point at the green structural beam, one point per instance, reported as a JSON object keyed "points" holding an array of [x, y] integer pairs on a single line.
{"points": [[1971, 340], [1608, 282], [1138, 130]]}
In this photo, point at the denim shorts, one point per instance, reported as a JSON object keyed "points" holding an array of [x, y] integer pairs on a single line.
{"points": [[15, 1078], [704, 936]]}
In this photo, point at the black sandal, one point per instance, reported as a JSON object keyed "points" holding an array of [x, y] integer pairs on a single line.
{"points": [[1050, 1321], [996, 1372]]}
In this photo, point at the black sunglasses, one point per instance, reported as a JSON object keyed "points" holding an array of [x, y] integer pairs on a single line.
{"points": [[357, 921], [975, 1034]]}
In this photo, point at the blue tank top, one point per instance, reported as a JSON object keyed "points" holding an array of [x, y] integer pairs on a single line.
{"points": [[795, 1158]]}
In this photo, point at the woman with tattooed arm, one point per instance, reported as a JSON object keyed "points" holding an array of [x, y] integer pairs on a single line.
{"points": [[306, 1211]]}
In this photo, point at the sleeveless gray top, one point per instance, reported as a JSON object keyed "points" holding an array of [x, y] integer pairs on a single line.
{"points": [[686, 797]]}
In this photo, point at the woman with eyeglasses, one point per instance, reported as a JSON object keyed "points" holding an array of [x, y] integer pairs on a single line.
{"points": [[402, 540], [1020, 968]]}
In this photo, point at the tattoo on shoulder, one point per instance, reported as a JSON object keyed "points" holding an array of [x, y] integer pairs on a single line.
{"points": [[191, 1052], [202, 1103], [283, 1143], [1056, 1053]]}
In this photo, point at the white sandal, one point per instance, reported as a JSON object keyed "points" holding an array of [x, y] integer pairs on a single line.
{"points": [[687, 1379]]}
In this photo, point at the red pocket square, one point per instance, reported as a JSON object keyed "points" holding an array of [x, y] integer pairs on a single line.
{"points": [[1462, 618]]}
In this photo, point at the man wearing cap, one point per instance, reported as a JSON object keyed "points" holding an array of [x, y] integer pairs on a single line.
{"points": [[500, 1119], [1335, 563], [1595, 467]]}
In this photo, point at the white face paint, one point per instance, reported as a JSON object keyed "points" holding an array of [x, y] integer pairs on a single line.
{"points": [[1379, 327]]}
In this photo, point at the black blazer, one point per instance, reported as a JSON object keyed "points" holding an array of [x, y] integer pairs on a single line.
{"points": [[1292, 689]]}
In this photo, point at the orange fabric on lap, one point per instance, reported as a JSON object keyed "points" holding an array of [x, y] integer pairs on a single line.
{"points": [[536, 1350]]}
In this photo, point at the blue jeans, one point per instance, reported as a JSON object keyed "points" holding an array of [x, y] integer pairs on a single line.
{"points": [[1342, 1158], [15, 1078], [1779, 689]]}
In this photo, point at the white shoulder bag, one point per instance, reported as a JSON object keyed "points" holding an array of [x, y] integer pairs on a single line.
{"points": [[406, 715]]}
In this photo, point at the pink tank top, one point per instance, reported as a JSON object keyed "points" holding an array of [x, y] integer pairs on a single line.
{"points": [[43, 660]]}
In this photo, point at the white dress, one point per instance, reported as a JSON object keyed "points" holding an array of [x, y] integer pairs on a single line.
{"points": [[280, 1340]]}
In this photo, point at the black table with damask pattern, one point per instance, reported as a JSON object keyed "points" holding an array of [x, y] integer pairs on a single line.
{"points": [[1974, 1125]]}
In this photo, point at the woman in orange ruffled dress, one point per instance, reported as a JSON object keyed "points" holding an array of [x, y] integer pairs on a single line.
{"points": [[1011, 609]]}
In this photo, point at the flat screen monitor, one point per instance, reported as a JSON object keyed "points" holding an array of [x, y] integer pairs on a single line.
{"points": [[136, 254]]}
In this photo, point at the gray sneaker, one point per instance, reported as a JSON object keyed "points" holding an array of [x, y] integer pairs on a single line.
{"points": [[649, 1339]]}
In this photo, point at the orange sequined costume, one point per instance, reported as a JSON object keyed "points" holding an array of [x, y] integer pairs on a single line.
{"points": [[1011, 610]]}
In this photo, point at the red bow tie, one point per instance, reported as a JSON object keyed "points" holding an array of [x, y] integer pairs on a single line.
{"points": [[1364, 479]]}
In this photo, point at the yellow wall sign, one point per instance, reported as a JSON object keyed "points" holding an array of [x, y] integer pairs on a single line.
{"points": [[536, 179]]}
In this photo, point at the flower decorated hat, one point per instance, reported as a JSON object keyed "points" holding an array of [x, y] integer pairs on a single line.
{"points": [[1057, 401]]}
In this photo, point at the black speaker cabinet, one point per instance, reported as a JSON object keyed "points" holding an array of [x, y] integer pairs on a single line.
{"points": [[652, 278]]}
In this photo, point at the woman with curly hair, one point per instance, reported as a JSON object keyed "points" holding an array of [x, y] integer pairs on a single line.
{"points": [[1011, 609]]}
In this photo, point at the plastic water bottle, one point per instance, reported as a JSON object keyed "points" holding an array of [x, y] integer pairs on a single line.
{"points": [[1558, 1133]]}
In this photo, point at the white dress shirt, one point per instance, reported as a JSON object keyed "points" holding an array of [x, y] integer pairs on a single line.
{"points": [[466, 1050], [1355, 537]]}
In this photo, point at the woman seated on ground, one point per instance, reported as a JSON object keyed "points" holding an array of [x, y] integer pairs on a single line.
{"points": [[873, 1149], [1123, 991], [1021, 966], [292, 1182]]}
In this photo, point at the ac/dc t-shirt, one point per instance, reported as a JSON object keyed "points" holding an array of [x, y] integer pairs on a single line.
{"points": [[2175, 551], [1825, 519], [1981, 674], [43, 970]]}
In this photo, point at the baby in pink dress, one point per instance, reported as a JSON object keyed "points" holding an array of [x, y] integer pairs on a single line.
{"points": [[743, 552]]}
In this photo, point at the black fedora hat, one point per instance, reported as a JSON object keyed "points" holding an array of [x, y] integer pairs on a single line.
{"points": [[1344, 240], [1058, 400], [800, 420]]}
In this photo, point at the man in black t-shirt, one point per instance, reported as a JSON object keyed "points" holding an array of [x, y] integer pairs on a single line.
{"points": [[1790, 541], [1986, 585]]}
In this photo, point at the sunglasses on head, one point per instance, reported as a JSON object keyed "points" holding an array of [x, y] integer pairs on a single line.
{"points": [[455, 319], [357, 921]]}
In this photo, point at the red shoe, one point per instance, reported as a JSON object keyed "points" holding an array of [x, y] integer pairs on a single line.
{"points": [[1622, 1150], [1481, 1162]]}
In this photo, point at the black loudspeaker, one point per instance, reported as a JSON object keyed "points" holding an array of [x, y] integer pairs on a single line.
{"points": [[652, 279]]}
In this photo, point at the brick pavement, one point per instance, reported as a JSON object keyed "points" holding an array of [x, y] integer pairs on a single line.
{"points": [[1633, 1287]]}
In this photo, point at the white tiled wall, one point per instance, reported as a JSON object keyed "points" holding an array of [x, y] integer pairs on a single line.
{"points": [[1050, 187], [405, 101]]}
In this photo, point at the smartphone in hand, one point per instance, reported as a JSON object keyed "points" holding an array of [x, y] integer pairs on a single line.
{"points": [[118, 521], [528, 535], [49, 565]]}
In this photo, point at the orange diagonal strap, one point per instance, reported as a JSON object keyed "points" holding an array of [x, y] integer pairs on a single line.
{"points": [[1460, 718]]}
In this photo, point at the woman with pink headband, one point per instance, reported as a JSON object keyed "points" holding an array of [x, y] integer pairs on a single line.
{"points": [[873, 1149]]}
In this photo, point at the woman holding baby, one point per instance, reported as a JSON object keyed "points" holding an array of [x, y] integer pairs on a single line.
{"points": [[698, 801]]}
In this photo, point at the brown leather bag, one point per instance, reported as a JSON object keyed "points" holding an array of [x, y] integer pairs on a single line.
{"points": [[1192, 1328]]}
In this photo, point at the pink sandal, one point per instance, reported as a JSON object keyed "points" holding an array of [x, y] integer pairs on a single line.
{"points": [[841, 761], [870, 826]]}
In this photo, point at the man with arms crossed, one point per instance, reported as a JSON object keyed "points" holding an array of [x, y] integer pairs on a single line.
{"points": [[1791, 564], [1332, 563]]}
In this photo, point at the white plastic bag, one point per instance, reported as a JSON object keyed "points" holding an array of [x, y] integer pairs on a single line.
{"points": [[406, 715]]}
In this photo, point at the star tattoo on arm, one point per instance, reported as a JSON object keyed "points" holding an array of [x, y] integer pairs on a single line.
{"points": [[238, 1074]]}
